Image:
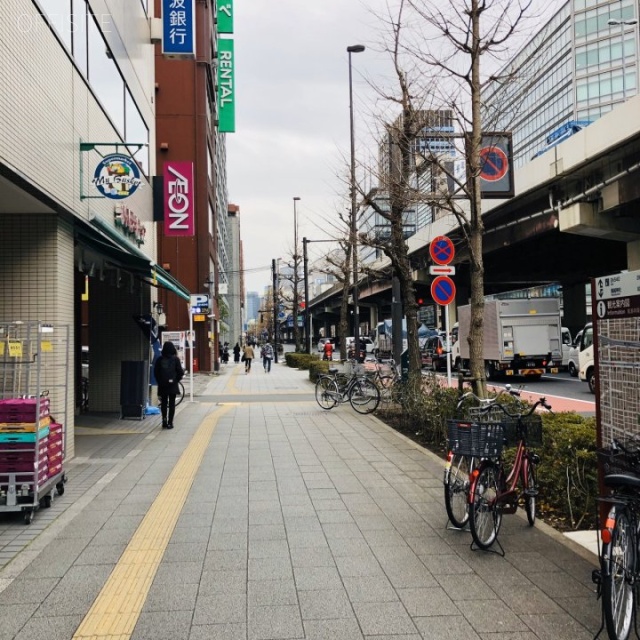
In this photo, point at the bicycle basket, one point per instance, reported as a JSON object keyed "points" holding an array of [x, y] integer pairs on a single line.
{"points": [[531, 430], [480, 439], [617, 461]]}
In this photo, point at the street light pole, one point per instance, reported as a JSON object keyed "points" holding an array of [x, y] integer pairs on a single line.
{"points": [[307, 325], [623, 23], [296, 270], [356, 48], [275, 310]]}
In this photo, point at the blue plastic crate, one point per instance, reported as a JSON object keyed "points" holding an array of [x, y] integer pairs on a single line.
{"points": [[23, 437]]}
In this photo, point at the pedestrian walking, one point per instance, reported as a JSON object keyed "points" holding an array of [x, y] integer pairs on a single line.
{"points": [[236, 353], [168, 372], [248, 355], [267, 356], [225, 353]]}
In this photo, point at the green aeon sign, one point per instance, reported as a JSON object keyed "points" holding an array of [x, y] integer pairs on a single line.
{"points": [[224, 13], [226, 87]]}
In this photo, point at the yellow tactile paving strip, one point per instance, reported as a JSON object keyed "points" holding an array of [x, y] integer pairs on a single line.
{"points": [[230, 387], [114, 613]]}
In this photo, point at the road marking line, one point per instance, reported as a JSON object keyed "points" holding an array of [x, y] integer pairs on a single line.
{"points": [[116, 610]]}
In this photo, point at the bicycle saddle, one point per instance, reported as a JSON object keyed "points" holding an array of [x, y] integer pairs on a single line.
{"points": [[333, 369], [622, 480]]}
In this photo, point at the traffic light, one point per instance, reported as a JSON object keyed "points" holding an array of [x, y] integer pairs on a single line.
{"points": [[423, 293]]}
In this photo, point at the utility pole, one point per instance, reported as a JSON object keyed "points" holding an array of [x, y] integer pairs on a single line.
{"points": [[307, 317], [275, 310]]}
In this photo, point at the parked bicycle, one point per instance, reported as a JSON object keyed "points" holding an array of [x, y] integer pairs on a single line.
{"points": [[619, 573], [385, 377], [335, 388], [496, 490], [460, 459]]}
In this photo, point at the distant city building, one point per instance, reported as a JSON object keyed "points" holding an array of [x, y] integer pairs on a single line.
{"points": [[253, 305], [235, 293]]}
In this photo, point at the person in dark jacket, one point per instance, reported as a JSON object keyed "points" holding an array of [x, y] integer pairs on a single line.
{"points": [[168, 372], [236, 353]]}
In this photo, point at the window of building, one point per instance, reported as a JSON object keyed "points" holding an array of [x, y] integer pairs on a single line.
{"points": [[58, 14], [104, 76], [80, 47], [136, 132]]}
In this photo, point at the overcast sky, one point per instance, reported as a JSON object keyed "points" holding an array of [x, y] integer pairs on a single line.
{"points": [[292, 118]]}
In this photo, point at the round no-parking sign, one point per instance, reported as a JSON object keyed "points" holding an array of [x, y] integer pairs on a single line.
{"points": [[443, 290]]}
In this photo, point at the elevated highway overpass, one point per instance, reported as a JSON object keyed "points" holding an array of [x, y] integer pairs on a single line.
{"points": [[575, 216]]}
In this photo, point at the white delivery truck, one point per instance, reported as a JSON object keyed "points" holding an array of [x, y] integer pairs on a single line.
{"points": [[520, 337], [587, 368]]}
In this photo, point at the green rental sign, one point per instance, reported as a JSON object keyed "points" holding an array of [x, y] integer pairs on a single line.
{"points": [[225, 16], [226, 88]]}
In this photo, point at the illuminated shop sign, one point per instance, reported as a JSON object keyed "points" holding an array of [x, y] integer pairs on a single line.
{"points": [[226, 87], [178, 28], [130, 224], [179, 194]]}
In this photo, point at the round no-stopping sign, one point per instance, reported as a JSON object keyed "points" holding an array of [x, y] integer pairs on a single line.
{"points": [[443, 290], [494, 164], [441, 250]]}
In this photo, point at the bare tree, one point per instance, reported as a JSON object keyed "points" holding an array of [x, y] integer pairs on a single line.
{"points": [[436, 51], [337, 264], [290, 294]]}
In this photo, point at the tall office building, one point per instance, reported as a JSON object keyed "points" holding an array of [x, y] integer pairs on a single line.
{"points": [[253, 305], [188, 131], [581, 63]]}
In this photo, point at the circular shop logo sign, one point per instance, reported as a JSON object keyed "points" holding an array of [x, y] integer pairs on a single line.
{"points": [[117, 176]]}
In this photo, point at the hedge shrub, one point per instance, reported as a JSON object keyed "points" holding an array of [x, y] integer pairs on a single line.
{"points": [[317, 368], [300, 360]]}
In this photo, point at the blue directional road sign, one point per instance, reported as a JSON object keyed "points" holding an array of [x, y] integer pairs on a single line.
{"points": [[443, 290]]}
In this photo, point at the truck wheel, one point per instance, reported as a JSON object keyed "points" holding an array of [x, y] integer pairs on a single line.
{"points": [[457, 365], [591, 379], [573, 372]]}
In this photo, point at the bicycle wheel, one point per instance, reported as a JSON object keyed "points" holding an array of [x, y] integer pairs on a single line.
{"points": [[326, 392], [364, 396], [180, 394], [618, 562], [485, 519], [530, 490], [456, 489]]}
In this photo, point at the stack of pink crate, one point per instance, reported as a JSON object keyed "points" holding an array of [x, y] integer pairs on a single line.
{"points": [[24, 440], [55, 448]]}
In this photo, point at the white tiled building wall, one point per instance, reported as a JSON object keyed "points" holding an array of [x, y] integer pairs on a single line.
{"points": [[36, 269]]}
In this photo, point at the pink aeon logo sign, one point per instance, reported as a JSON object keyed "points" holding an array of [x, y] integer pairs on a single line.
{"points": [[179, 207]]}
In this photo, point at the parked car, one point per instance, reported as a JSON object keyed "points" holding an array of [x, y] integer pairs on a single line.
{"points": [[573, 360], [364, 340], [435, 352], [324, 341]]}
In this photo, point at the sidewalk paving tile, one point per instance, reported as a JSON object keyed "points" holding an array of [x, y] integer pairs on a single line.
{"points": [[300, 524]]}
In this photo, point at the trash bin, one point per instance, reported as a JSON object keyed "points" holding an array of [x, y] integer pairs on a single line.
{"points": [[134, 383]]}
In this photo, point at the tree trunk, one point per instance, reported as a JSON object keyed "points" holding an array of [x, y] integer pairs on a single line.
{"points": [[476, 227]]}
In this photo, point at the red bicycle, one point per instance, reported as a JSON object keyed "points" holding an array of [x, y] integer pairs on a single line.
{"points": [[495, 490]]}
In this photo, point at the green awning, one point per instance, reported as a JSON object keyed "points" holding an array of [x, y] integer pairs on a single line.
{"points": [[166, 280], [105, 240]]}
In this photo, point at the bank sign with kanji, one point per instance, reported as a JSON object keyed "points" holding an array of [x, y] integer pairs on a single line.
{"points": [[178, 28]]}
